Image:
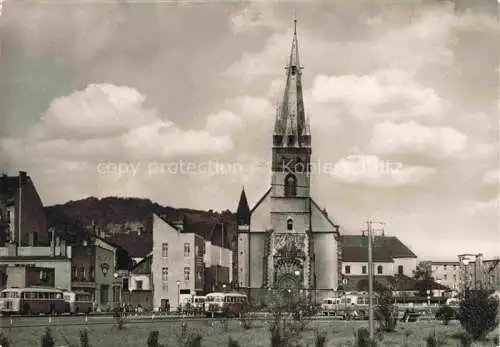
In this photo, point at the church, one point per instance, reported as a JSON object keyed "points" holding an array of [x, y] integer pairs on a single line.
{"points": [[286, 242]]}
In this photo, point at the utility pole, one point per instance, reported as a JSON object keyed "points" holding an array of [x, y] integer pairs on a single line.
{"points": [[370, 276]]}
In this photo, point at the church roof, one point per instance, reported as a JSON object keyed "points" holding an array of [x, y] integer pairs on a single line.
{"points": [[291, 122], [385, 248], [243, 211]]}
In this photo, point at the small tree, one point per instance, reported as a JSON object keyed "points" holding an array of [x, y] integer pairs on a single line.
{"points": [[445, 313], [386, 312], [153, 339], [4, 341], [47, 340], [478, 313], [84, 338]]}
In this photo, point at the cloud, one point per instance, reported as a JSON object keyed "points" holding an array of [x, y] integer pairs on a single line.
{"points": [[254, 15], [411, 138], [371, 171], [105, 121], [381, 95], [491, 178], [486, 209]]}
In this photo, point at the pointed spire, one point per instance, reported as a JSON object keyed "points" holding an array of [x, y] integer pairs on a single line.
{"points": [[243, 211], [290, 123]]}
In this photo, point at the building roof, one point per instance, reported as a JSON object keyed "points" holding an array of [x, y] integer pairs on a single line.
{"points": [[445, 262], [360, 254], [385, 248], [243, 211]]}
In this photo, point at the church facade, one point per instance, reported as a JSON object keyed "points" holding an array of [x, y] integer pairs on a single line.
{"points": [[287, 242]]}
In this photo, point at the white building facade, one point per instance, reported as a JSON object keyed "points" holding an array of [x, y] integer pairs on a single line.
{"points": [[177, 265]]}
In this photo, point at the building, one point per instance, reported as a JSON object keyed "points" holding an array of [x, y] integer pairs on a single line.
{"points": [[52, 265], [447, 273], [28, 254], [140, 284], [286, 242], [22, 215], [391, 258], [177, 264], [93, 268], [476, 272], [218, 262]]}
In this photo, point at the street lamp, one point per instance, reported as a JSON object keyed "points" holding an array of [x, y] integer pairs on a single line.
{"points": [[224, 287], [178, 295], [116, 275]]}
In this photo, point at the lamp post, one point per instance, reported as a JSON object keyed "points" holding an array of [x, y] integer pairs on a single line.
{"points": [[116, 276], [297, 274], [370, 281], [224, 287], [178, 295]]}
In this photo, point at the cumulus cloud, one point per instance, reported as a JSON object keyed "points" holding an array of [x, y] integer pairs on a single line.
{"points": [[257, 14], [411, 138], [491, 178], [105, 120], [368, 170], [381, 95]]}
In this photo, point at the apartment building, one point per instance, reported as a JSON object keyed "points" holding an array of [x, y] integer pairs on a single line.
{"points": [[446, 273], [93, 269], [22, 215], [177, 265]]}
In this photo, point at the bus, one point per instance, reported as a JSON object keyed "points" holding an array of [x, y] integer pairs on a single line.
{"points": [[32, 300], [78, 302], [225, 304]]}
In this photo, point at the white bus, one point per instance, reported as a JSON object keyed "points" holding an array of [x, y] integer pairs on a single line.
{"points": [[32, 301], [78, 302], [225, 304]]}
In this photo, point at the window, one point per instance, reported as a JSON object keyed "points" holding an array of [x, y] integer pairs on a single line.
{"points": [[454, 267], [84, 273], [164, 250], [187, 249], [289, 224], [363, 269], [124, 283], [138, 285], [74, 273], [454, 278], [199, 275], [347, 269], [290, 186], [445, 277], [164, 274], [379, 269], [444, 267], [400, 269], [186, 273]]}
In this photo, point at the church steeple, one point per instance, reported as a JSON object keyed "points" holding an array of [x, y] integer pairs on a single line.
{"points": [[291, 127], [243, 211]]}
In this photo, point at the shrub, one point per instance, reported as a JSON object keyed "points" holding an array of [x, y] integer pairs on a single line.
{"points": [[194, 340], [232, 343], [4, 341], [434, 341], [478, 313], [153, 338], [386, 312], [445, 313], [320, 339], [363, 339], [47, 340], [84, 338]]}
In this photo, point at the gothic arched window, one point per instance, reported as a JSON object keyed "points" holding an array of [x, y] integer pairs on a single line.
{"points": [[290, 186], [289, 224]]}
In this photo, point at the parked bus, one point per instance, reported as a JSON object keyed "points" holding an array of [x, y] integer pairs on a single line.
{"points": [[225, 304], [78, 302], [330, 305], [32, 301]]}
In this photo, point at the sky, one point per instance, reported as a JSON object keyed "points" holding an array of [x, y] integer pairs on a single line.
{"points": [[175, 102]]}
